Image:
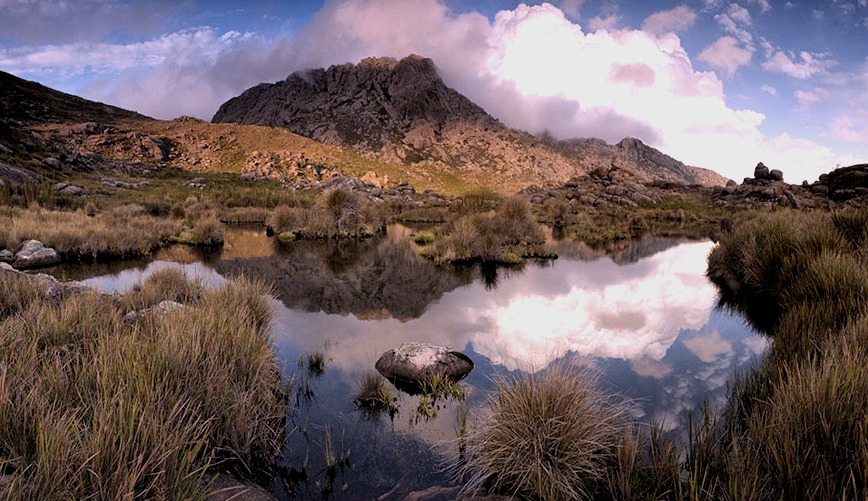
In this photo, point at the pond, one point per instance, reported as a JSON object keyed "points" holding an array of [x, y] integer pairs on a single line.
{"points": [[642, 316]]}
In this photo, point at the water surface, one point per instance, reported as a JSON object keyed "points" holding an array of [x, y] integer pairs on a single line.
{"points": [[642, 317]]}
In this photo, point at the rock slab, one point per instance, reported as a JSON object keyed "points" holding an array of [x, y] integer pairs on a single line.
{"points": [[33, 254], [412, 363]]}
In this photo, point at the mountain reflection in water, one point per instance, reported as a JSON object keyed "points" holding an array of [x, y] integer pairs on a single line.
{"points": [[643, 317]]}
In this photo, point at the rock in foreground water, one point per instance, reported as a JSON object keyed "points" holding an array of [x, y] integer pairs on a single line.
{"points": [[412, 363]]}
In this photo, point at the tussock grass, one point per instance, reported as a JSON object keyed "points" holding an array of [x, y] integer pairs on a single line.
{"points": [[504, 237], [339, 213], [93, 406], [795, 426], [548, 435], [374, 396]]}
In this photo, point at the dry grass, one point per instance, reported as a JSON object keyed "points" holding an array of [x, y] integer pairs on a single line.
{"points": [[74, 234], [548, 435], [795, 426], [93, 406], [504, 237], [339, 213]]}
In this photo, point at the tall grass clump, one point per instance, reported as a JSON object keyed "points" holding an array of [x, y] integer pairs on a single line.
{"points": [[94, 405], [339, 213], [506, 236], [795, 426], [547, 435]]}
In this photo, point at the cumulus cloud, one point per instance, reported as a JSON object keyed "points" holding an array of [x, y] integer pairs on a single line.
{"points": [[604, 23], [804, 66], [852, 128], [726, 53], [669, 21], [572, 8], [531, 67], [735, 21], [709, 347], [635, 313]]}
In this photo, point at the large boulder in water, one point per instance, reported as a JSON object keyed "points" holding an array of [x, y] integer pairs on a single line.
{"points": [[412, 363], [33, 254]]}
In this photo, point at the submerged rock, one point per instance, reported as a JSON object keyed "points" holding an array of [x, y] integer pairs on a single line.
{"points": [[412, 363], [33, 254]]}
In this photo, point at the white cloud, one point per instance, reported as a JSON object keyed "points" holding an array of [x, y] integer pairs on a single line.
{"points": [[669, 21], [739, 14], [736, 21], [709, 347], [852, 128], [801, 159], [768, 89], [629, 315], [764, 5], [604, 23], [531, 67], [572, 8], [805, 66], [806, 97], [726, 54]]}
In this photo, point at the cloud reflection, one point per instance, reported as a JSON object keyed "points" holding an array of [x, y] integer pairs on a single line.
{"points": [[629, 312]]}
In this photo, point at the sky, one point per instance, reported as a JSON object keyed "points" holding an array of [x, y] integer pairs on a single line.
{"points": [[714, 83]]}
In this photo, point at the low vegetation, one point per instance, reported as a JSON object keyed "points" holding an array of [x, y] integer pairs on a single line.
{"points": [[554, 435], [339, 213], [795, 425], [375, 396], [99, 404], [122, 232], [505, 236]]}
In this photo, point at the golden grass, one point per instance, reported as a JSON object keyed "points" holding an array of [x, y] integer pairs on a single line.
{"points": [[96, 406]]}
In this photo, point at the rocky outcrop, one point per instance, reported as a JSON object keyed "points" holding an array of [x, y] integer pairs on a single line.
{"points": [[648, 163], [402, 111], [33, 254], [378, 102], [847, 184], [410, 364]]}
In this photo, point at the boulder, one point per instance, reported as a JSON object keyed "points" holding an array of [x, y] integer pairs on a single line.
{"points": [[6, 256], [53, 163], [33, 254], [776, 175], [72, 190], [412, 363], [761, 171]]}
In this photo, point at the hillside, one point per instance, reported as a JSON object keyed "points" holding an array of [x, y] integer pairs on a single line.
{"points": [[402, 111]]}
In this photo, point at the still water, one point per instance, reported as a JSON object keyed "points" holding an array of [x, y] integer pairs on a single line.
{"points": [[643, 317]]}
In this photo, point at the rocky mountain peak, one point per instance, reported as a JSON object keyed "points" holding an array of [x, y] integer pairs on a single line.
{"points": [[370, 105]]}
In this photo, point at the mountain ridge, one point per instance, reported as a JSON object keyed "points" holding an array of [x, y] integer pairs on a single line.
{"points": [[401, 110]]}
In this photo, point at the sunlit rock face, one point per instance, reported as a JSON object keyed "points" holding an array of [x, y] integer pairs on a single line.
{"points": [[597, 309]]}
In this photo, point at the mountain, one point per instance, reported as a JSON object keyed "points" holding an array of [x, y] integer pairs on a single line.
{"points": [[31, 103], [402, 111]]}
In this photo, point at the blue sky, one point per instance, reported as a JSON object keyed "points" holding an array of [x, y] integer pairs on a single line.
{"points": [[715, 83]]}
